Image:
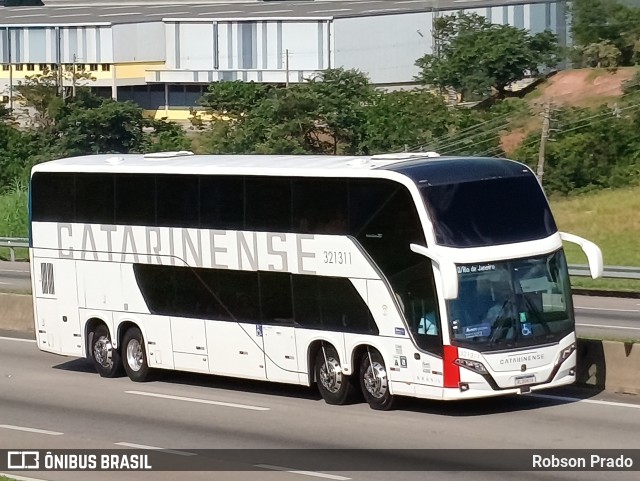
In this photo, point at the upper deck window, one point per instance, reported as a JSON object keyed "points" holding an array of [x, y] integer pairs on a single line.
{"points": [[489, 212]]}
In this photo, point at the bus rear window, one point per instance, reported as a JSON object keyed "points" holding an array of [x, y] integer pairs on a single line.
{"points": [[489, 212]]}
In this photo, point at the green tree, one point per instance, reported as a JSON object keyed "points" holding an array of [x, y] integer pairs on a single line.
{"points": [[234, 99], [602, 54], [326, 114], [342, 98], [475, 56], [596, 21], [592, 149], [163, 136], [40, 96], [111, 127], [402, 120]]}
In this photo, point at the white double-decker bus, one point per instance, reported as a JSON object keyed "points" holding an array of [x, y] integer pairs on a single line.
{"points": [[398, 275]]}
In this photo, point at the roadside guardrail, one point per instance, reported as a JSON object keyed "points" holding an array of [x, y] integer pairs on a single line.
{"points": [[12, 243], [613, 272]]}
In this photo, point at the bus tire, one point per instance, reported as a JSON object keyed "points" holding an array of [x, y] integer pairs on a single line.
{"points": [[106, 358], [134, 355], [375, 382], [335, 387]]}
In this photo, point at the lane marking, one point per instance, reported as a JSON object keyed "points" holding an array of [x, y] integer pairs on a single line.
{"points": [[19, 478], [609, 327], [30, 430], [17, 339], [155, 448], [606, 309], [303, 473], [200, 401], [588, 401]]}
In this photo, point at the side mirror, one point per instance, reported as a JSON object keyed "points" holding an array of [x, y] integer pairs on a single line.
{"points": [[448, 271], [592, 251]]}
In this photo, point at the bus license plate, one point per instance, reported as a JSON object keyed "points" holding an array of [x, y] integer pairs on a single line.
{"points": [[522, 380]]}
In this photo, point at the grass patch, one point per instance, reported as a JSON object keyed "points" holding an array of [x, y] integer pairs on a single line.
{"points": [[611, 219], [21, 254]]}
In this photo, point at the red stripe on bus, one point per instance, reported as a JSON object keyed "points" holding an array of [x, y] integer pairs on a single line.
{"points": [[451, 370]]}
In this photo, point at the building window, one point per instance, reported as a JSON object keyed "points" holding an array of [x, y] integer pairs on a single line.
{"points": [[5, 99], [31, 67], [19, 66], [93, 67], [80, 67], [5, 66], [105, 67], [68, 67], [43, 67], [54, 67]]}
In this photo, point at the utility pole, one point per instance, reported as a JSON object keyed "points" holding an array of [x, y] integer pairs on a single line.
{"points": [[73, 77], [59, 75], [10, 69], [286, 66], [544, 136]]}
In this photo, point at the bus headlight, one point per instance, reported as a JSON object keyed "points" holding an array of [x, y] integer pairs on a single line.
{"points": [[566, 352], [474, 366]]}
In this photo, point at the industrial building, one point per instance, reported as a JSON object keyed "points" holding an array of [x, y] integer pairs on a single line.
{"points": [[163, 56]]}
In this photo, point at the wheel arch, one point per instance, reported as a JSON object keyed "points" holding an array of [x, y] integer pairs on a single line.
{"points": [[312, 351], [89, 328]]}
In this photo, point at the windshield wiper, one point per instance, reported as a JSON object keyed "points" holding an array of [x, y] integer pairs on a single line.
{"points": [[500, 323]]}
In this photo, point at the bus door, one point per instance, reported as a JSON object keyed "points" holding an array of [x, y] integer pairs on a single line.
{"points": [[280, 353], [236, 349], [58, 322], [189, 340]]}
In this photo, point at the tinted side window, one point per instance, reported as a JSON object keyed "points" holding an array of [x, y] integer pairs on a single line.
{"points": [[222, 202], [320, 206], [268, 204], [330, 303], [275, 298], [178, 202], [135, 199], [238, 292], [415, 289], [176, 291], [52, 197], [385, 221], [94, 198]]}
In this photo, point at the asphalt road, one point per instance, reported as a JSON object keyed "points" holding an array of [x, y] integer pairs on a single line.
{"points": [[52, 402], [15, 277]]}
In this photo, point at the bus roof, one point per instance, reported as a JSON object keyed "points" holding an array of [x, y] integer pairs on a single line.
{"points": [[414, 165]]}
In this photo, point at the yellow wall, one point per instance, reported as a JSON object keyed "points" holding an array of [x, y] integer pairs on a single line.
{"points": [[135, 70], [123, 71]]}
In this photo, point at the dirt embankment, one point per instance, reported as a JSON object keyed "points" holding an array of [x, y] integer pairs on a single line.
{"points": [[578, 88]]}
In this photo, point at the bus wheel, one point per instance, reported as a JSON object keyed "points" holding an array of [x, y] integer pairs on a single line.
{"points": [[334, 386], [375, 382], [105, 357], [134, 355]]}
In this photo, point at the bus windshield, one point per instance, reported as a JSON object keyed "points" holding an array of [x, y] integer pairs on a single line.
{"points": [[489, 212], [509, 304]]}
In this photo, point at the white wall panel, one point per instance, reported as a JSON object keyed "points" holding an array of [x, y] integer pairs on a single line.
{"points": [[223, 45], [170, 45], [91, 55], [196, 45], [301, 38], [385, 47], [272, 45], [106, 44], [138, 42]]}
